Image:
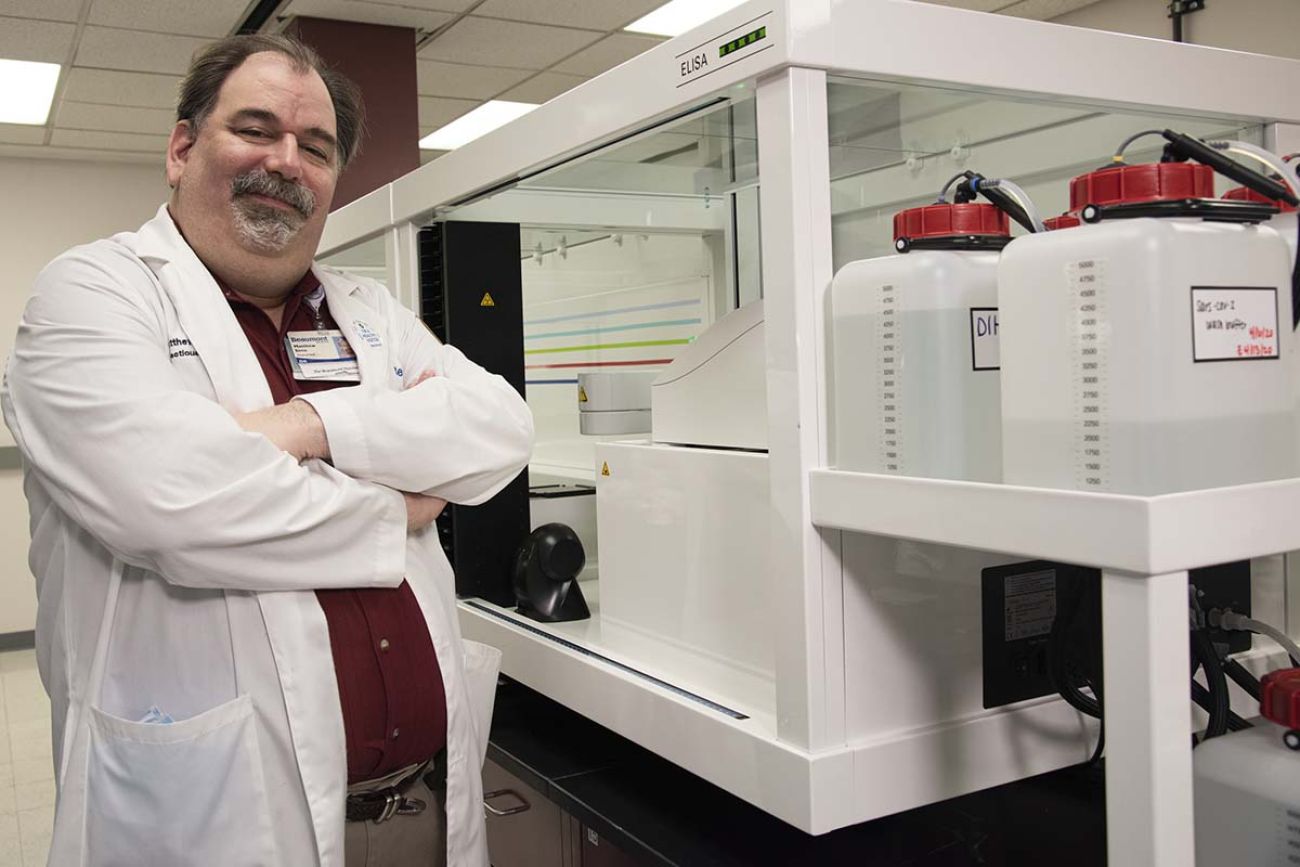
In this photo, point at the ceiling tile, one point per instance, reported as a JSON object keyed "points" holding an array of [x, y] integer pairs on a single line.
{"points": [[470, 82], [212, 18], [21, 133], [122, 88], [543, 86], [370, 13], [606, 54], [605, 15], [439, 5], [135, 50], [110, 141], [114, 118], [437, 112], [48, 10], [27, 39], [489, 42]]}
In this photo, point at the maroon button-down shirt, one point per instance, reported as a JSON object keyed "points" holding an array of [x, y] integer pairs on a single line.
{"points": [[390, 687]]}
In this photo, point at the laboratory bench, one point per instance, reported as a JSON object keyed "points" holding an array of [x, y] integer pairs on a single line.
{"points": [[571, 793]]}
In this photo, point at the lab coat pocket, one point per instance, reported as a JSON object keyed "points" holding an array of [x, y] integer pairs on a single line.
{"points": [[190, 792], [482, 665]]}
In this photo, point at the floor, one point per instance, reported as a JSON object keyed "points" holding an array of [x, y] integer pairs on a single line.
{"points": [[26, 767]]}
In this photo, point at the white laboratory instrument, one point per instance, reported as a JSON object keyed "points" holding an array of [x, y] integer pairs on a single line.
{"points": [[715, 391], [1147, 352], [816, 650], [915, 342], [614, 403]]}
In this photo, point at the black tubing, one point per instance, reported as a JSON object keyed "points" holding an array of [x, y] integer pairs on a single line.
{"points": [[1204, 656], [1243, 678]]}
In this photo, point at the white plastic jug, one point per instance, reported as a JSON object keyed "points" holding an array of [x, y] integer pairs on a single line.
{"points": [[1148, 350], [915, 347]]}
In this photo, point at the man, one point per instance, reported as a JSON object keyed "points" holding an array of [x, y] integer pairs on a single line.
{"points": [[233, 460]]}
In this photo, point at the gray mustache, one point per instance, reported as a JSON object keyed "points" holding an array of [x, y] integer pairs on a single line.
{"points": [[263, 183]]}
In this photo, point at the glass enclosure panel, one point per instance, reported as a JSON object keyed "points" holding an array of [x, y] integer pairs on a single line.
{"points": [[365, 259], [626, 256], [892, 147]]}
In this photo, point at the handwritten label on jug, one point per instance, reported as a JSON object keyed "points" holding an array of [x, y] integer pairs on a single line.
{"points": [[985, 350], [1238, 323]]}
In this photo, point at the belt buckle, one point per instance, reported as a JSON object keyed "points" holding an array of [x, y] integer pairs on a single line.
{"points": [[396, 804], [392, 800]]}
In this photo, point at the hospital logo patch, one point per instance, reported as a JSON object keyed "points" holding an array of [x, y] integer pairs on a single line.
{"points": [[366, 333]]}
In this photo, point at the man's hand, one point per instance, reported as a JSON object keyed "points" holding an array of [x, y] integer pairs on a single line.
{"points": [[294, 427], [428, 374], [421, 511]]}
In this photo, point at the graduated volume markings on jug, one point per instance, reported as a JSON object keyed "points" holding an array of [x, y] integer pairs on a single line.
{"points": [[889, 333], [1090, 349]]}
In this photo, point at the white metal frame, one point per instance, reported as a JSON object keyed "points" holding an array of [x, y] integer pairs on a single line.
{"points": [[798, 765]]}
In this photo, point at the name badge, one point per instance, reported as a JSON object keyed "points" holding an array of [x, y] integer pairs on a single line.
{"points": [[322, 355]]}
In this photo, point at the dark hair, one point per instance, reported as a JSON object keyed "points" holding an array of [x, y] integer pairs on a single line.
{"points": [[213, 64]]}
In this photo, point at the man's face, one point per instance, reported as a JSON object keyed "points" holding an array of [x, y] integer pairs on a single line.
{"points": [[260, 171]]}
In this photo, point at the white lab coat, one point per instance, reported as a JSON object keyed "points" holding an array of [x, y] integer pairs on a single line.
{"points": [[176, 555]]}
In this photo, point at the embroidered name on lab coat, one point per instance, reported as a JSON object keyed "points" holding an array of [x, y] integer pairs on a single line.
{"points": [[180, 347]]}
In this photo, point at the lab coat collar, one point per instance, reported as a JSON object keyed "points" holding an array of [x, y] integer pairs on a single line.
{"points": [[214, 331], [204, 314], [356, 320]]}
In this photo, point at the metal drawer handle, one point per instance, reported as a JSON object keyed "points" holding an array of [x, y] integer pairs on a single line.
{"points": [[521, 807]]}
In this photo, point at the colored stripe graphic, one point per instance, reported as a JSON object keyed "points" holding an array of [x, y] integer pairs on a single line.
{"points": [[550, 382], [595, 347], [598, 364], [664, 305], [602, 330]]}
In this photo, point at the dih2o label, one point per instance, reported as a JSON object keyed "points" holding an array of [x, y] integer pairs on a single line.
{"points": [[1235, 323], [985, 349]]}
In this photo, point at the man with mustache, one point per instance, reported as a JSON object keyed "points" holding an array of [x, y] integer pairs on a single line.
{"points": [[233, 459]]}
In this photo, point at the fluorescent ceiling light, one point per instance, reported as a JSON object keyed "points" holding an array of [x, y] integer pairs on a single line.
{"points": [[480, 121], [27, 91], [677, 16]]}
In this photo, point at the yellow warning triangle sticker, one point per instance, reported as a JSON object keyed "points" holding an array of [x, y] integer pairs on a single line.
{"points": [[604, 468], [582, 395], [487, 300]]}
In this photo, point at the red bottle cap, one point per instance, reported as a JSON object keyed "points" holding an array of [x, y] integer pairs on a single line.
{"points": [[1149, 182], [1279, 698], [951, 221], [1065, 221], [1245, 194]]}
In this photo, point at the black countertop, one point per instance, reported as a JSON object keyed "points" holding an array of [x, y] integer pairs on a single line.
{"points": [[664, 815]]}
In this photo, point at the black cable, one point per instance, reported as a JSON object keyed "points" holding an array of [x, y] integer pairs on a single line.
{"points": [[1243, 678], [1202, 697], [1101, 745], [1065, 680], [1204, 656]]}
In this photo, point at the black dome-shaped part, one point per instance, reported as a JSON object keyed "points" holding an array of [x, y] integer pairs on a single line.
{"points": [[561, 555]]}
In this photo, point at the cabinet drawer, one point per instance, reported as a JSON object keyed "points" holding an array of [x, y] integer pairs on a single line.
{"points": [[523, 828]]}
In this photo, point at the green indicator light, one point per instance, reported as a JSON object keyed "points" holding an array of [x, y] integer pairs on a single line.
{"points": [[737, 44]]}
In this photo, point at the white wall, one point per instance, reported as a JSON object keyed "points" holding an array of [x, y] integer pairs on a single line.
{"points": [[49, 206], [1260, 26]]}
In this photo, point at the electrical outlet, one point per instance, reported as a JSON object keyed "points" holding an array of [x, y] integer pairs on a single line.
{"points": [[1223, 587]]}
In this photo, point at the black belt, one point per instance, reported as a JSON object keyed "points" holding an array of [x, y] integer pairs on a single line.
{"points": [[383, 804]]}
